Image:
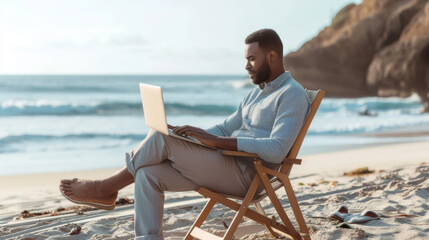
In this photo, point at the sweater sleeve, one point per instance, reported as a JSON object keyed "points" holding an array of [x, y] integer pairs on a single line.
{"points": [[215, 130], [292, 110]]}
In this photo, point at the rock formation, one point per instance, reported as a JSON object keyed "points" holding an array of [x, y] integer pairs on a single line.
{"points": [[377, 48]]}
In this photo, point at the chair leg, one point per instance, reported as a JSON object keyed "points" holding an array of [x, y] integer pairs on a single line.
{"points": [[203, 215], [277, 205], [243, 208], [262, 211], [295, 207]]}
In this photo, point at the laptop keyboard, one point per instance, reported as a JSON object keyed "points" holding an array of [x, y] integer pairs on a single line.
{"points": [[188, 137]]}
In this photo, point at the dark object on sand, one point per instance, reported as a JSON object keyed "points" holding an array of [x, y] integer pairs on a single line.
{"points": [[225, 225], [75, 230], [27, 214], [124, 201], [359, 171], [77, 209]]}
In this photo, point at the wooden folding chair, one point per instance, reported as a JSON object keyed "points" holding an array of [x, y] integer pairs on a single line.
{"points": [[280, 178]]}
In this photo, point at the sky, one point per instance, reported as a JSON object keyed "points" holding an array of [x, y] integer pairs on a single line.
{"points": [[148, 37]]}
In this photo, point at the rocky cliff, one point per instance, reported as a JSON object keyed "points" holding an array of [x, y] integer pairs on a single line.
{"points": [[377, 48]]}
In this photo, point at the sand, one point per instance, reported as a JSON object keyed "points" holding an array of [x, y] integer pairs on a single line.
{"points": [[398, 190]]}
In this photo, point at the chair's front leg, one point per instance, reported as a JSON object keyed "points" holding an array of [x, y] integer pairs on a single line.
{"points": [[243, 208], [295, 206]]}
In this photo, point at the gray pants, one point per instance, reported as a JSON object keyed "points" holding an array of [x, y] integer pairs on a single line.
{"points": [[163, 163]]}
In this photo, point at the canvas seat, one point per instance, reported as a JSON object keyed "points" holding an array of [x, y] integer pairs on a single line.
{"points": [[280, 178]]}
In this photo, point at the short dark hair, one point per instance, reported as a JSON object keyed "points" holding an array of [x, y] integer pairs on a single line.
{"points": [[267, 39]]}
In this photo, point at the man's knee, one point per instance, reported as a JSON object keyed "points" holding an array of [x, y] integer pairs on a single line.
{"points": [[155, 137], [143, 173], [155, 134], [147, 175]]}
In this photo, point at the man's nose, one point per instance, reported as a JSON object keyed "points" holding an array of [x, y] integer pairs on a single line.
{"points": [[248, 66]]}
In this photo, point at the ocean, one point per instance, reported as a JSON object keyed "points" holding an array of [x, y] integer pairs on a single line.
{"points": [[73, 122]]}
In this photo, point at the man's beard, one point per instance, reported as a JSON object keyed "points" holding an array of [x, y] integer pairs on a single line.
{"points": [[262, 74]]}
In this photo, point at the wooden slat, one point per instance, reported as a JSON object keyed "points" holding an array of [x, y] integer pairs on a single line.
{"points": [[238, 154], [201, 234], [282, 234], [292, 161]]}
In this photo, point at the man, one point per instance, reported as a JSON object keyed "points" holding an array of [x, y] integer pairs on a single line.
{"points": [[266, 123]]}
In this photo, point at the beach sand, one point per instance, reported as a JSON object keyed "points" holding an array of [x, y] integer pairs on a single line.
{"points": [[398, 190]]}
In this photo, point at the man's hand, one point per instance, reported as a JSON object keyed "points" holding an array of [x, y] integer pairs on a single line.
{"points": [[206, 138], [198, 133]]}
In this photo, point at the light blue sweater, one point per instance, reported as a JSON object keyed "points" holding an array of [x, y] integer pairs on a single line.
{"points": [[267, 121]]}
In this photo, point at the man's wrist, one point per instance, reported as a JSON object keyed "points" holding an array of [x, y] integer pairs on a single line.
{"points": [[226, 143]]}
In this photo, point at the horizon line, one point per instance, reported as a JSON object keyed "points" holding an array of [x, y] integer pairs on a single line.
{"points": [[123, 74]]}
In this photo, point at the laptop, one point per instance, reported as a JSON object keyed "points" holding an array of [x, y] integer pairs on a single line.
{"points": [[154, 112]]}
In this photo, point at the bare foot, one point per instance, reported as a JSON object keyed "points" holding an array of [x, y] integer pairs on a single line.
{"points": [[88, 192]]}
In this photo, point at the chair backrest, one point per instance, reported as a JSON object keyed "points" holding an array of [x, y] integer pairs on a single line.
{"points": [[315, 100]]}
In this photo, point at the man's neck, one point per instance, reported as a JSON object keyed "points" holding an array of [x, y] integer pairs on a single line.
{"points": [[274, 75]]}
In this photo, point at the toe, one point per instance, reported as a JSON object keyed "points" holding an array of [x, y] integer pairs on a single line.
{"points": [[65, 186], [66, 181], [63, 190]]}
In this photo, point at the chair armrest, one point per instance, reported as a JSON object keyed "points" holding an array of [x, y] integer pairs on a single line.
{"points": [[285, 160], [292, 161], [264, 170], [239, 154]]}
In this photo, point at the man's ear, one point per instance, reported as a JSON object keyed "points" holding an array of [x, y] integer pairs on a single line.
{"points": [[272, 56]]}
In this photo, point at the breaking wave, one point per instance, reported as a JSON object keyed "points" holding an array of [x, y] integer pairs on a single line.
{"points": [[45, 107]]}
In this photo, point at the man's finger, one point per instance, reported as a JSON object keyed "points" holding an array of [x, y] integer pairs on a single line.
{"points": [[186, 130], [180, 130]]}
